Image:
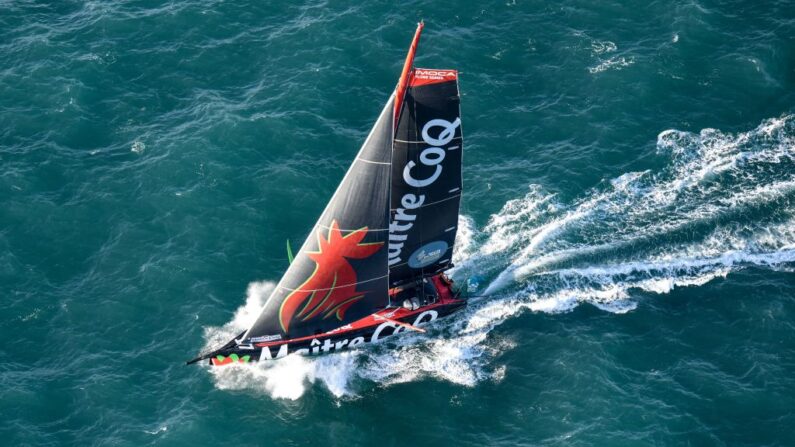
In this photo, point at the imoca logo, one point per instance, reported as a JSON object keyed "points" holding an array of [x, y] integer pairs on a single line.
{"points": [[427, 254]]}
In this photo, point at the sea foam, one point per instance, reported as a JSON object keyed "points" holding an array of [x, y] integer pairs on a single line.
{"points": [[639, 233]]}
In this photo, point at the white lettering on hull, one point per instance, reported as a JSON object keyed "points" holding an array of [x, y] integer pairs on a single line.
{"points": [[316, 347], [266, 353]]}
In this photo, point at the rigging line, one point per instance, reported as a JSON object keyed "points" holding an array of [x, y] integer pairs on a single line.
{"points": [[388, 211]]}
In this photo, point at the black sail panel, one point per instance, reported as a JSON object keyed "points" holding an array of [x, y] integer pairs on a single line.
{"points": [[426, 177], [340, 274]]}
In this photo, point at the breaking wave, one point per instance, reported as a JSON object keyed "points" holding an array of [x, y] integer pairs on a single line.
{"points": [[724, 202]]}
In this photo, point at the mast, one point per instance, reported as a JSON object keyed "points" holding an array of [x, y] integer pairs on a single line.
{"points": [[403, 83]]}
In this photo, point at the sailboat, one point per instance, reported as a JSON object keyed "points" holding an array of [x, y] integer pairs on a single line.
{"points": [[374, 264]]}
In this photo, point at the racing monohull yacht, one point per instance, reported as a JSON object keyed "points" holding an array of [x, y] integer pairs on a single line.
{"points": [[373, 265]]}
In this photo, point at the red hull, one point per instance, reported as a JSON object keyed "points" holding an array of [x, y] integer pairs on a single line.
{"points": [[370, 329]]}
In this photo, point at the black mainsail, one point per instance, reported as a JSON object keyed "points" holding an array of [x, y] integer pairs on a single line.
{"points": [[392, 219], [426, 177]]}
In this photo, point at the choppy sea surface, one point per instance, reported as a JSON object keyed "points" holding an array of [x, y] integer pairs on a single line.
{"points": [[628, 218]]}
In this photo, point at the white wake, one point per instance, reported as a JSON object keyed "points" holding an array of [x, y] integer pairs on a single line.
{"points": [[724, 202]]}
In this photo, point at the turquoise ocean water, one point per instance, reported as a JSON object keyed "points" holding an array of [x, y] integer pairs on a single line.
{"points": [[629, 211]]}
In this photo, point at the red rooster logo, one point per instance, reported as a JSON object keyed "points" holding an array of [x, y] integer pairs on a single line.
{"points": [[331, 289]]}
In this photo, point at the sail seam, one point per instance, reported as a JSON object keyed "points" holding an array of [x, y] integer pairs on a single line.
{"points": [[374, 162], [422, 142]]}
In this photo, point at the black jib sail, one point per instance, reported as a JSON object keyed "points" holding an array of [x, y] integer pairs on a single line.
{"points": [[426, 177], [340, 273]]}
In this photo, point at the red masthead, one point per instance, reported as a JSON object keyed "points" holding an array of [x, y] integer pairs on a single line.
{"points": [[404, 75]]}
